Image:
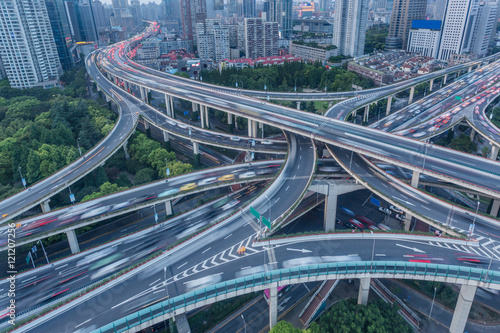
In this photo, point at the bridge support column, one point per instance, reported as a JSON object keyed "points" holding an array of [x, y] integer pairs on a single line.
{"points": [[169, 210], [461, 313], [330, 209], [298, 105], [146, 124], [125, 85], [262, 129], [431, 84], [389, 104], [273, 305], [125, 144], [250, 128], [494, 152], [73, 241], [407, 221], [196, 148], [364, 291], [207, 120], [108, 99], [45, 206], [143, 94], [182, 323], [167, 105], [414, 178], [472, 134], [495, 207], [229, 118], [470, 69], [412, 91], [166, 138], [367, 109], [254, 128], [444, 80], [202, 116]]}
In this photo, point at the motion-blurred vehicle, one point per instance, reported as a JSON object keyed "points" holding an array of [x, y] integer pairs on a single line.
{"points": [[168, 192], [188, 187], [266, 142], [248, 174], [230, 204], [202, 282], [226, 177], [206, 181]]}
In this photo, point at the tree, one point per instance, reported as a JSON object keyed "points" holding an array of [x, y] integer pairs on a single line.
{"points": [[284, 327], [105, 189], [485, 151], [463, 143], [144, 176]]}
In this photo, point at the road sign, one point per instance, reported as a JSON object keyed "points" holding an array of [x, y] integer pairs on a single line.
{"points": [[72, 197], [266, 222], [168, 171], [458, 97], [186, 113], [375, 201], [24, 182], [28, 258], [254, 213], [471, 228], [156, 217]]}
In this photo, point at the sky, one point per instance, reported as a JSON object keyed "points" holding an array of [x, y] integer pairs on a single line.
{"points": [[142, 1]]}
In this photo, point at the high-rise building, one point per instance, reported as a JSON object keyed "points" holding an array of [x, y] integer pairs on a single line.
{"points": [[100, 15], [248, 8], [135, 11], [213, 40], [403, 13], [86, 20], [439, 10], [280, 11], [424, 37], [27, 46], [457, 28], [192, 12], [62, 35], [350, 26], [261, 38], [484, 27]]}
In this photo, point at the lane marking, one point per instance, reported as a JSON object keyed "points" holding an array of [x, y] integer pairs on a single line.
{"points": [[153, 282], [206, 250], [86, 321]]}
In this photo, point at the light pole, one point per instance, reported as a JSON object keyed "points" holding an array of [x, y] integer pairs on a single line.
{"points": [[474, 221], [425, 155], [350, 163], [156, 215], [24, 182], [432, 304], [373, 250], [40, 242], [244, 324]]}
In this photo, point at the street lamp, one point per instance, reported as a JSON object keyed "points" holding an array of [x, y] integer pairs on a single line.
{"points": [[432, 304], [244, 323], [425, 155], [350, 163], [24, 182], [40, 242], [474, 221]]}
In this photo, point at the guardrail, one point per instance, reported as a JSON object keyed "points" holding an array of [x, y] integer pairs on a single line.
{"points": [[342, 270]]}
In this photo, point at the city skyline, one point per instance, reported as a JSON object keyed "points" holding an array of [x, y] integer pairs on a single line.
{"points": [[108, 2]]}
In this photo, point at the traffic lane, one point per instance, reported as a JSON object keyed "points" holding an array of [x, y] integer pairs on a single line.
{"points": [[147, 284], [90, 209], [96, 263]]}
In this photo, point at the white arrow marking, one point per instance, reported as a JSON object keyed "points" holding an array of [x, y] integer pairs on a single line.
{"points": [[411, 248], [299, 250]]}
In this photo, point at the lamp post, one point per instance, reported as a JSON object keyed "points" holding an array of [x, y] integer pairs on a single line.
{"points": [[40, 242], [24, 183], [474, 221], [78, 145], [373, 250], [425, 155], [244, 323], [432, 304], [350, 162]]}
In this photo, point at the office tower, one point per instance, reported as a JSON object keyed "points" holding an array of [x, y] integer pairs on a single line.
{"points": [[439, 10], [457, 28], [281, 11], [86, 21], [403, 13], [27, 46], [120, 7], [100, 16], [192, 12], [424, 37], [325, 4], [350, 26], [62, 34], [261, 38], [484, 27], [135, 11], [249, 8]]}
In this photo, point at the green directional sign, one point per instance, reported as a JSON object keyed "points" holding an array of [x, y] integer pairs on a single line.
{"points": [[266, 222], [28, 259], [458, 97], [254, 213]]}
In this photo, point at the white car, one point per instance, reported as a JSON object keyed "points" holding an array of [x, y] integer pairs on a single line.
{"points": [[396, 209], [181, 125], [248, 174], [266, 142], [207, 181], [234, 138], [384, 210]]}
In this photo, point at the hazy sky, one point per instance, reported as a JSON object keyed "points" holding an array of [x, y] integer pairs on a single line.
{"points": [[142, 1]]}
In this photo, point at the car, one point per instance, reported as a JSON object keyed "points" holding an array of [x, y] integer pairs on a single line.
{"points": [[220, 137], [400, 217], [234, 138], [385, 210], [347, 211], [329, 169], [206, 181], [248, 174], [230, 204], [396, 209], [188, 187], [266, 142], [226, 177], [168, 192], [356, 224], [181, 125]]}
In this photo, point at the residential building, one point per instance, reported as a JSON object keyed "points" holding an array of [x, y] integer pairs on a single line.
{"points": [[313, 52], [425, 36], [27, 45], [350, 26], [403, 13], [457, 28], [168, 45], [213, 40], [261, 38]]}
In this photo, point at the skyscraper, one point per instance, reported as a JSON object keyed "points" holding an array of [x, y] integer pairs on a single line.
{"points": [[403, 12], [135, 10], [27, 46], [213, 40], [484, 27], [457, 28], [261, 38], [192, 12], [101, 18], [350, 26], [62, 35], [281, 11]]}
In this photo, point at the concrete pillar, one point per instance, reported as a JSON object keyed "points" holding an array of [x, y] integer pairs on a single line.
{"points": [[166, 138], [125, 144], [73, 241], [196, 148], [444, 80], [414, 178], [202, 116], [298, 105], [389, 104], [250, 127], [169, 210], [125, 85], [472, 134], [495, 207], [107, 98], [207, 119], [431, 84], [364, 291], [182, 323], [254, 129], [407, 221], [412, 91], [273, 305], [330, 209], [146, 124], [229, 118], [470, 69], [262, 129], [367, 109], [172, 111], [494, 152], [461, 313], [45, 206], [167, 105], [143, 94]]}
